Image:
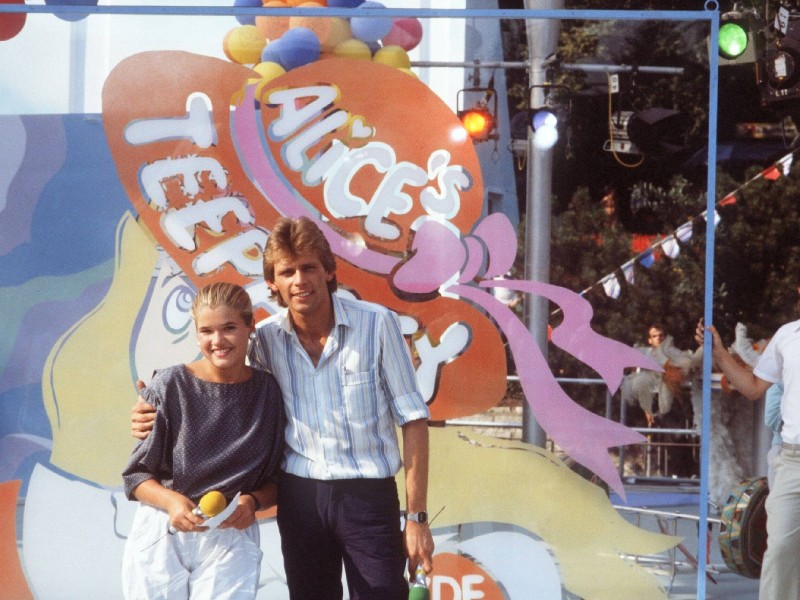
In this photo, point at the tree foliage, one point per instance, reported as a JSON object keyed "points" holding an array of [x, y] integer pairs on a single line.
{"points": [[757, 252]]}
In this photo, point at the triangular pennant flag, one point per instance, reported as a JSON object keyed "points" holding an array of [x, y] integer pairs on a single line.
{"points": [[627, 271], [611, 286], [647, 259], [684, 232], [786, 163], [772, 173], [671, 247], [717, 218], [728, 200]]}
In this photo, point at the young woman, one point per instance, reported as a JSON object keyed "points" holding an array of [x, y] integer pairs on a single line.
{"points": [[219, 427]]}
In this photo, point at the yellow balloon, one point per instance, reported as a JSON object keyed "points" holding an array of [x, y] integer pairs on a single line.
{"points": [[269, 70], [353, 49], [393, 56], [244, 44]]}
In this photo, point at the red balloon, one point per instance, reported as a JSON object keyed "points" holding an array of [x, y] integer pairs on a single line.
{"points": [[11, 23], [405, 32]]}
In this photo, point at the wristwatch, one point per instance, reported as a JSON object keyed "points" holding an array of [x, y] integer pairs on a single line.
{"points": [[417, 517]]}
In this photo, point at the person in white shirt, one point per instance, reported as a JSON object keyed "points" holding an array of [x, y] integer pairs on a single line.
{"points": [[780, 570]]}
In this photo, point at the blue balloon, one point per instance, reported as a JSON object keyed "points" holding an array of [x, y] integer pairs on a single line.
{"points": [[344, 3], [70, 16], [299, 46], [272, 52], [370, 29], [247, 19]]}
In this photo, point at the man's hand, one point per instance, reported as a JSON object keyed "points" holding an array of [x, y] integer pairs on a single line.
{"points": [[418, 542], [142, 416], [699, 333], [716, 341], [718, 350]]}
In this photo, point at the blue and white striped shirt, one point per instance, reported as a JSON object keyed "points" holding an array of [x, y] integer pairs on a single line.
{"points": [[341, 414]]}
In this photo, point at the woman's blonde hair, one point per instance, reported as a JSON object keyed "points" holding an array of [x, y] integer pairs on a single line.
{"points": [[222, 293]]}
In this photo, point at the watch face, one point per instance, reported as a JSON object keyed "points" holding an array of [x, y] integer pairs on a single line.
{"points": [[420, 517]]}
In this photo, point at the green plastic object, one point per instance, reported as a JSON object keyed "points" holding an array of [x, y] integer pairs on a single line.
{"points": [[419, 589]]}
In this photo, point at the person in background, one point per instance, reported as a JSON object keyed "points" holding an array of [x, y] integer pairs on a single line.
{"points": [[773, 421], [655, 335], [347, 380], [218, 427], [780, 362]]}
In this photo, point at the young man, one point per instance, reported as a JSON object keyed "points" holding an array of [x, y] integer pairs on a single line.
{"points": [[780, 571], [347, 379], [655, 335]]}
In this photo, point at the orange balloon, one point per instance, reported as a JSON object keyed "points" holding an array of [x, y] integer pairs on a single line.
{"points": [[321, 26], [339, 32], [272, 27]]}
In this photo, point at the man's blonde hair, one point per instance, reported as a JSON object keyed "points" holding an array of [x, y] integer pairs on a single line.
{"points": [[291, 238]]}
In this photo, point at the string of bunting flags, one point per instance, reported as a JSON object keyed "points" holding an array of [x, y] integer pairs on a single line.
{"points": [[671, 244]]}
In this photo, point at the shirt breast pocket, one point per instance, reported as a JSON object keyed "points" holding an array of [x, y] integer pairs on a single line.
{"points": [[360, 395]]}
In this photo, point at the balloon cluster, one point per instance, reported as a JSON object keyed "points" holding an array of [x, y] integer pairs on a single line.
{"points": [[275, 44]]}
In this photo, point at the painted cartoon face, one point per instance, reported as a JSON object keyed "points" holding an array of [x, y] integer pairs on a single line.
{"points": [[223, 336], [302, 282]]}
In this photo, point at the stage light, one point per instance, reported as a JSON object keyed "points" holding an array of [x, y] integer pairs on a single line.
{"points": [[778, 70], [741, 38], [657, 132], [550, 119], [732, 40], [479, 120], [544, 122]]}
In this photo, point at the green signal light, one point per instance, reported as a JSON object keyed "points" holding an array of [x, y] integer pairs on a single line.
{"points": [[732, 40]]}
